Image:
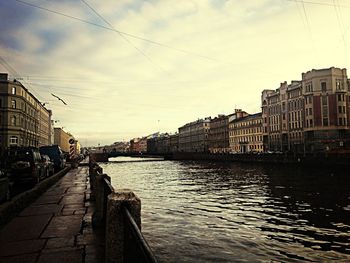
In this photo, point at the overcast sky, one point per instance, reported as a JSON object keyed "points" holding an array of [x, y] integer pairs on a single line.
{"points": [[130, 68]]}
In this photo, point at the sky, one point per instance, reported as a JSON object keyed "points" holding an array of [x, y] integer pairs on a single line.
{"points": [[129, 68]]}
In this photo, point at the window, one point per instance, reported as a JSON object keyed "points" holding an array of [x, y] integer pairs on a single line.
{"points": [[340, 121], [0, 103], [13, 90], [13, 140], [13, 104], [13, 120], [323, 86], [325, 121]]}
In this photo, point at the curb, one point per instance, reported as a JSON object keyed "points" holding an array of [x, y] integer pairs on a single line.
{"points": [[10, 209]]}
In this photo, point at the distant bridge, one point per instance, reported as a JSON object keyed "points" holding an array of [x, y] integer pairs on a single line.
{"points": [[103, 157]]}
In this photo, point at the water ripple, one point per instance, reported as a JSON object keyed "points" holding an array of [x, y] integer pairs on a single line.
{"points": [[219, 212]]}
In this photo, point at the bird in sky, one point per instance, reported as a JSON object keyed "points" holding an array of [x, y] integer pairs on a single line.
{"points": [[59, 99]]}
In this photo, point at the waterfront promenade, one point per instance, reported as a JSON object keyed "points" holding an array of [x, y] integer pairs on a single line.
{"points": [[56, 227]]}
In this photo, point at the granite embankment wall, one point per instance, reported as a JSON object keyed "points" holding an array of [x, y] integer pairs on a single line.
{"points": [[320, 159], [10, 209]]}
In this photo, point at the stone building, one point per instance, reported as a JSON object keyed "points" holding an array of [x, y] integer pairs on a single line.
{"points": [[245, 134], [219, 131], [282, 114], [193, 136], [308, 115], [327, 112], [174, 142], [24, 121], [158, 143], [138, 145], [62, 139]]}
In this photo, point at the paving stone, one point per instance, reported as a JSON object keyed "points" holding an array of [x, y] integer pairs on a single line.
{"points": [[56, 191], [70, 256], [21, 247], [42, 209], [63, 226], [27, 258], [75, 206], [48, 199], [81, 211], [22, 228], [73, 199], [77, 189], [59, 242]]}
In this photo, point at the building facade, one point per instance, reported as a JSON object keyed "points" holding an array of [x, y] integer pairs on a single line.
{"points": [[174, 142], [246, 134], [327, 112], [193, 136], [62, 139], [219, 141], [24, 121], [308, 115]]}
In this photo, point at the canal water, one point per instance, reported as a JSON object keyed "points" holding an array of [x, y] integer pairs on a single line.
{"points": [[232, 212]]}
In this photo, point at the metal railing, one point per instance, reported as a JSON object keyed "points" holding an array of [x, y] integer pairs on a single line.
{"points": [[133, 244], [136, 246]]}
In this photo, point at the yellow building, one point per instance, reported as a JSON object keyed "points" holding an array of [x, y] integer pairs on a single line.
{"points": [[24, 121], [246, 134], [62, 139]]}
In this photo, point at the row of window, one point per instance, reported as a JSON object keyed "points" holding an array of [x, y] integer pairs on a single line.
{"points": [[23, 107], [24, 123], [246, 139], [13, 140]]}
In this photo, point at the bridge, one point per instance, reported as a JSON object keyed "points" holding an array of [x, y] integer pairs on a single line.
{"points": [[103, 157]]}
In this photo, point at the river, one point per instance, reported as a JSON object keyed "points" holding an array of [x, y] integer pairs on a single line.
{"points": [[234, 212]]}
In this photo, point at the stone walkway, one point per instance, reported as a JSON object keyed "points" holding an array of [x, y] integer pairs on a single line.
{"points": [[56, 227]]}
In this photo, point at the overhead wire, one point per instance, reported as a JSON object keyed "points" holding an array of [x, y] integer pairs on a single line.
{"points": [[123, 37], [115, 30], [318, 3], [12, 71]]}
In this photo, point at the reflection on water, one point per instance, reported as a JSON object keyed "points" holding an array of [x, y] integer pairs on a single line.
{"points": [[219, 212]]}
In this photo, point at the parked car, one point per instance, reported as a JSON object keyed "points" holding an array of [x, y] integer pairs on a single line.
{"points": [[24, 165], [48, 165], [55, 154], [5, 188]]}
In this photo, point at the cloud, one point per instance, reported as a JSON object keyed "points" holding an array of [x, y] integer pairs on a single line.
{"points": [[222, 54]]}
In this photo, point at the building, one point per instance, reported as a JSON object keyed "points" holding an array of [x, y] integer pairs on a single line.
{"points": [[327, 112], [174, 143], [24, 121], [245, 134], [218, 140], [193, 136], [159, 144], [308, 115], [61, 138], [138, 145], [282, 114]]}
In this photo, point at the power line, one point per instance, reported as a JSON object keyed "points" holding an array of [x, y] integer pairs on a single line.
{"points": [[123, 37], [12, 71], [318, 3], [115, 30]]}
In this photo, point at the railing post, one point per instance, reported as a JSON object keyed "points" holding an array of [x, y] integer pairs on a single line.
{"points": [[115, 226], [100, 196]]}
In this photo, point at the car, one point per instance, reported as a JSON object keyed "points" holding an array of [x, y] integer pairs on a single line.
{"points": [[24, 165], [56, 156], [48, 165]]}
